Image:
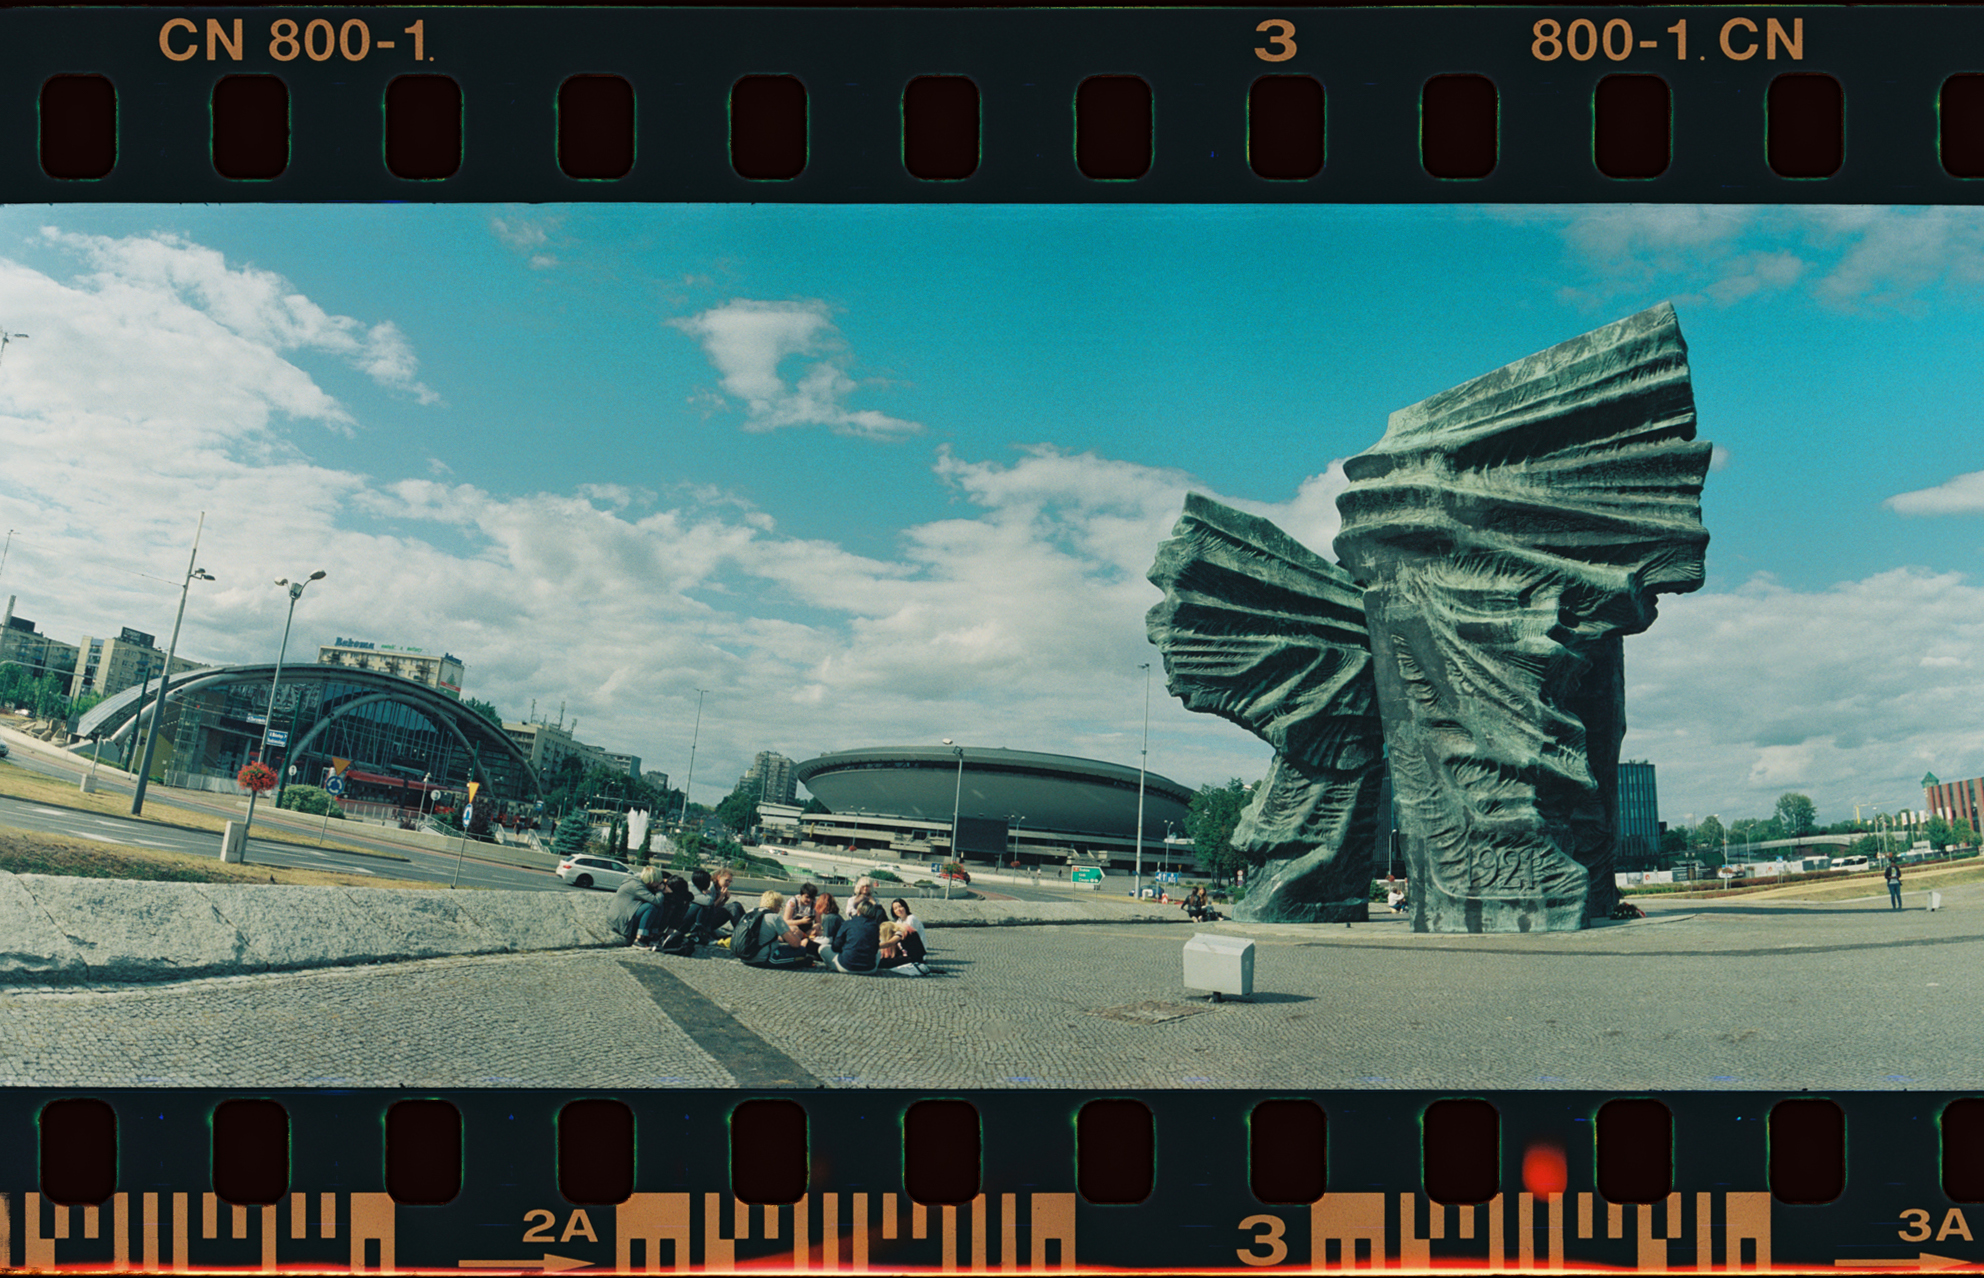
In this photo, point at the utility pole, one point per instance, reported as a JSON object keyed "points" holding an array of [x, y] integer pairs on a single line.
{"points": [[694, 737], [158, 706]]}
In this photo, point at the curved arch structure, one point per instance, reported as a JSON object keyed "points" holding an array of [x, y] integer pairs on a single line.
{"points": [[394, 730]]}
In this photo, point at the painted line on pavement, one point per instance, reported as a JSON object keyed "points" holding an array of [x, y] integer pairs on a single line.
{"points": [[751, 1060]]}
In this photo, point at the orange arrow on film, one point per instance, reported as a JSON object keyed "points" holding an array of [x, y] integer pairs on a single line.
{"points": [[1922, 1260], [550, 1264]]}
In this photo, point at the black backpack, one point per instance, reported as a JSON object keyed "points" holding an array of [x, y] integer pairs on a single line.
{"points": [[744, 937]]}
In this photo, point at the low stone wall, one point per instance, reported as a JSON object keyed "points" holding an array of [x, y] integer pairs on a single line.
{"points": [[59, 929]]}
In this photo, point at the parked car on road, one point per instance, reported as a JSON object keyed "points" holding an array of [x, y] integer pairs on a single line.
{"points": [[594, 871]]}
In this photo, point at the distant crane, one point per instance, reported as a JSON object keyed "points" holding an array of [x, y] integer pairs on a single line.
{"points": [[6, 337]]}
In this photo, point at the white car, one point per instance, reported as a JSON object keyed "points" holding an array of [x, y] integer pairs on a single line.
{"points": [[594, 871], [1848, 864]]}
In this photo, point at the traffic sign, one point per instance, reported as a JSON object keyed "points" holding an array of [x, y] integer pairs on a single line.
{"points": [[278, 737], [334, 786]]}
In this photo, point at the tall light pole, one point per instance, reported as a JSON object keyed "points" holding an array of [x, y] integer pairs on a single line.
{"points": [[957, 804], [295, 593], [1143, 761], [694, 737], [158, 704]]}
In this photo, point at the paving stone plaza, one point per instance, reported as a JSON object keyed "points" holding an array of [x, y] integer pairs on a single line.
{"points": [[1745, 994]]}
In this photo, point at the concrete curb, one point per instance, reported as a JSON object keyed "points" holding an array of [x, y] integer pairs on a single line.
{"points": [[60, 929]]}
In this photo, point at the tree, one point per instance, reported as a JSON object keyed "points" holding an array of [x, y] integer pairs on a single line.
{"points": [[739, 811], [573, 833], [1673, 841], [484, 709], [1795, 814], [1210, 822], [814, 805]]}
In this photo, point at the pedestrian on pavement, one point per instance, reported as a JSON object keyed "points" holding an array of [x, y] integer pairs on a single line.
{"points": [[1893, 877]]}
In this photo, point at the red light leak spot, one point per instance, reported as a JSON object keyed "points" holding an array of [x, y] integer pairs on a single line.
{"points": [[1543, 1170]]}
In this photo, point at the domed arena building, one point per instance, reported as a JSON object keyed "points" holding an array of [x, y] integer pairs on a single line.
{"points": [[1013, 806]]}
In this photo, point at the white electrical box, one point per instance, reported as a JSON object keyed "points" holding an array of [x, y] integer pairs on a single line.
{"points": [[1220, 965]]}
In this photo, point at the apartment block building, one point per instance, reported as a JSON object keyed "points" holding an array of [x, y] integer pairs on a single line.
{"points": [[771, 777], [109, 666], [440, 671], [38, 653]]}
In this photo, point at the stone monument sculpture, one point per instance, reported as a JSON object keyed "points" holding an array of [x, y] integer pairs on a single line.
{"points": [[1260, 630], [1506, 536]]}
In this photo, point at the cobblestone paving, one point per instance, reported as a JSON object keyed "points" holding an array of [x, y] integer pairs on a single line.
{"points": [[1777, 995], [504, 1021]]}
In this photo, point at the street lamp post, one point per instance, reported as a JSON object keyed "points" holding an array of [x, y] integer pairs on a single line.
{"points": [[1143, 761], [957, 804], [295, 593], [144, 691], [158, 706], [694, 737]]}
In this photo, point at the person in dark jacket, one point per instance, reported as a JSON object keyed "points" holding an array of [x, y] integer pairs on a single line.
{"points": [[858, 944]]}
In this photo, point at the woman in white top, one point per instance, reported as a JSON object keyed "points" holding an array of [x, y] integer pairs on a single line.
{"points": [[909, 932]]}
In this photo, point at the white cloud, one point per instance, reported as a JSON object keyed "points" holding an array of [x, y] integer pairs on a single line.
{"points": [[191, 290], [1958, 495], [1846, 257], [1848, 694], [747, 342]]}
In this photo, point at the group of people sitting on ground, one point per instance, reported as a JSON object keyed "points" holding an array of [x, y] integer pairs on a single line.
{"points": [[655, 910], [659, 911], [811, 927]]}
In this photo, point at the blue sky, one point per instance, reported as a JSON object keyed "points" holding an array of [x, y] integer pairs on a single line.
{"points": [[886, 475]]}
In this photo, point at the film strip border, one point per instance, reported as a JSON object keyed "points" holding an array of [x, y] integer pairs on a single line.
{"points": [[854, 1182], [1803, 105]]}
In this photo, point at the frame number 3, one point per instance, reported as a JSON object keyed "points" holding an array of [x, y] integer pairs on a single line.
{"points": [[1283, 40]]}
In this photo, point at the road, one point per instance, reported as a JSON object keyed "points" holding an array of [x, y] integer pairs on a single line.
{"points": [[419, 865]]}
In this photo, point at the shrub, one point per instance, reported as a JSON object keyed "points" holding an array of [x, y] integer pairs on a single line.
{"points": [[883, 876], [311, 799]]}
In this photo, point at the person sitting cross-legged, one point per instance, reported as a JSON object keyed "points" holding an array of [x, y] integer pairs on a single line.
{"points": [[765, 939], [858, 944]]}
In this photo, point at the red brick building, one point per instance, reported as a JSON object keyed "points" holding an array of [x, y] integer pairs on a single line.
{"points": [[1955, 801]]}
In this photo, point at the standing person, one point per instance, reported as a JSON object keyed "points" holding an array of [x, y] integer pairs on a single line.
{"points": [[1893, 877]]}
